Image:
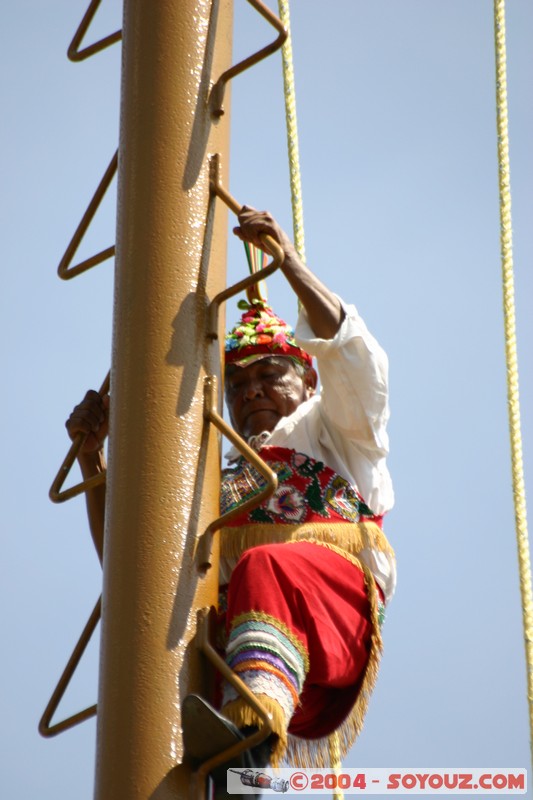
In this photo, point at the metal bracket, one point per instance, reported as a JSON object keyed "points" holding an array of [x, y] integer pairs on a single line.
{"points": [[210, 387], [246, 284], [73, 52], [64, 270], [203, 552], [47, 730], [216, 98], [204, 644]]}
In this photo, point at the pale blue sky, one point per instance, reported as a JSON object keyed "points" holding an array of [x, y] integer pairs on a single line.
{"points": [[396, 114]]}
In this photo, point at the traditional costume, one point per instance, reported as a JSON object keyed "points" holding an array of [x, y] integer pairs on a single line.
{"points": [[310, 570]]}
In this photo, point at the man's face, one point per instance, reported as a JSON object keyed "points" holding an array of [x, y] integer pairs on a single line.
{"points": [[259, 395]]}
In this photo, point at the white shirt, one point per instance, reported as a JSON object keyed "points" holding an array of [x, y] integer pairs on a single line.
{"points": [[344, 425]]}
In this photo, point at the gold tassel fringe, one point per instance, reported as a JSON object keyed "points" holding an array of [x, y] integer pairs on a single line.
{"points": [[316, 753], [243, 715], [351, 537], [309, 753]]}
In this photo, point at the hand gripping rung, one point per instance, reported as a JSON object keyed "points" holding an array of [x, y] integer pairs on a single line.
{"points": [[270, 245], [55, 494]]}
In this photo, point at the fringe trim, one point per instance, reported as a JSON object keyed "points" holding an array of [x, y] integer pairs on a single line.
{"points": [[351, 537], [242, 715], [309, 753], [316, 753]]}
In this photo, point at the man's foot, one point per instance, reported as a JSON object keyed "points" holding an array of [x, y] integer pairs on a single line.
{"points": [[206, 733]]}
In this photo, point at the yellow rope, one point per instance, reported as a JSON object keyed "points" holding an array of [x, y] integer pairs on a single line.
{"points": [[292, 134], [335, 760], [298, 219], [510, 349], [298, 229]]}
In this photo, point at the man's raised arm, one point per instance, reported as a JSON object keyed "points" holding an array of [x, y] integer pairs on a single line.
{"points": [[324, 311]]}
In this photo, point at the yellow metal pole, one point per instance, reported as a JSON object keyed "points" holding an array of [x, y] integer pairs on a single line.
{"points": [[163, 470]]}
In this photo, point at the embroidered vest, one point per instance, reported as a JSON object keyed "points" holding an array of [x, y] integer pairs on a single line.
{"points": [[308, 491], [312, 503]]}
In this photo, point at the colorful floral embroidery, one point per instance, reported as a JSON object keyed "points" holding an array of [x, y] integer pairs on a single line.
{"points": [[287, 502], [307, 491], [243, 482], [344, 500]]}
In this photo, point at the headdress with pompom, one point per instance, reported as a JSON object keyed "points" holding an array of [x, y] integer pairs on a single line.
{"points": [[261, 333]]}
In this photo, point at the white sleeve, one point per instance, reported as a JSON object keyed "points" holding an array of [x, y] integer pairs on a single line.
{"points": [[349, 419], [353, 371]]}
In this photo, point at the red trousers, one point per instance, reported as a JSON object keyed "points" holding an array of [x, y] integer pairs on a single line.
{"points": [[320, 597]]}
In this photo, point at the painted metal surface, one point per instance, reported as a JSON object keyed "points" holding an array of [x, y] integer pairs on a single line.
{"points": [[163, 481], [164, 461]]}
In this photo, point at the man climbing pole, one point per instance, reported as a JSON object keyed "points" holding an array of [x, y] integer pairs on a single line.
{"points": [[308, 572]]}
